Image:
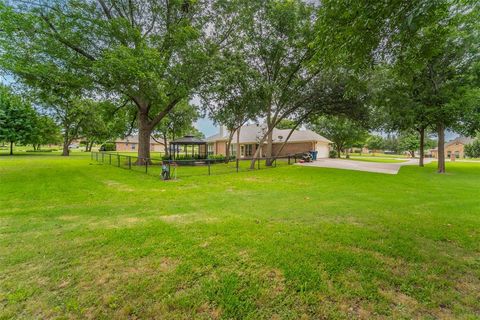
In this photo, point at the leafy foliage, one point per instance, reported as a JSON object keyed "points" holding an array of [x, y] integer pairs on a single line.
{"points": [[45, 131], [375, 142], [343, 132], [473, 150], [17, 118], [153, 52], [177, 123]]}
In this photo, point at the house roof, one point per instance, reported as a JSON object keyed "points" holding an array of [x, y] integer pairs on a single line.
{"points": [[188, 140], [460, 140], [134, 139], [457, 140], [252, 133]]}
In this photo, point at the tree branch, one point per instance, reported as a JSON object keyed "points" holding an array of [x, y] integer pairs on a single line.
{"points": [[66, 42]]}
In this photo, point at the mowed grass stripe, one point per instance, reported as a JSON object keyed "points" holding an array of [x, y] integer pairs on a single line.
{"points": [[82, 240]]}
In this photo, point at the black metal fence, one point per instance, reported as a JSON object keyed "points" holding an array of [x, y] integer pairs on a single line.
{"points": [[173, 169]]}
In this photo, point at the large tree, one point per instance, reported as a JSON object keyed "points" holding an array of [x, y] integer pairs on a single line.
{"points": [[45, 131], [437, 67], [17, 118], [374, 143], [277, 46], [71, 114], [233, 93], [153, 52], [105, 121], [342, 131], [398, 108]]}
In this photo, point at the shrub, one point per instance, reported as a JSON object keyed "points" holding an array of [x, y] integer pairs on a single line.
{"points": [[42, 150], [109, 146], [332, 154], [216, 157], [187, 157], [473, 150]]}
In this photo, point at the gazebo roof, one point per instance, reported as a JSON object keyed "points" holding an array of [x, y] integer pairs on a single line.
{"points": [[188, 140]]}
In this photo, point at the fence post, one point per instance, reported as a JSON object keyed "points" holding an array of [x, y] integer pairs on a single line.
{"points": [[146, 165], [129, 162], [118, 160], [237, 164], [258, 164], [288, 159], [208, 162]]}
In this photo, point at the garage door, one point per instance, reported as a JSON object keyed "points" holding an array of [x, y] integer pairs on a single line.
{"points": [[323, 150]]}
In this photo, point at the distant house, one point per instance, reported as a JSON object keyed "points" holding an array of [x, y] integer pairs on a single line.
{"points": [[456, 147], [130, 143], [250, 135]]}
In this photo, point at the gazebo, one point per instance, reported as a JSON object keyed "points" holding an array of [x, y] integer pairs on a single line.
{"points": [[188, 147]]}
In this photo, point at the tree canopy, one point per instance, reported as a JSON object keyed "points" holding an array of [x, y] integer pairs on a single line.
{"points": [[152, 52], [17, 118]]}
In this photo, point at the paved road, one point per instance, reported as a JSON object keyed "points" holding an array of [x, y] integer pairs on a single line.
{"points": [[379, 167]]}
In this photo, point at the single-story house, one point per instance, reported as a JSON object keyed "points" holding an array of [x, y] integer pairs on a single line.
{"points": [[300, 141], [130, 143], [455, 146]]}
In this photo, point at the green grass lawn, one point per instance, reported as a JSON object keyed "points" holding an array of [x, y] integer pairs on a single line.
{"points": [[83, 240], [376, 159]]}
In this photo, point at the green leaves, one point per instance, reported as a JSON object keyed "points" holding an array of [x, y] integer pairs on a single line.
{"points": [[17, 118]]}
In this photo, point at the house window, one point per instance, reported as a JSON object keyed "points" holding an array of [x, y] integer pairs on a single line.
{"points": [[210, 148], [133, 146], [233, 150], [457, 154], [248, 150]]}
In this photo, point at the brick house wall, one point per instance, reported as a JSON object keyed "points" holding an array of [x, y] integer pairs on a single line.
{"points": [[219, 148], [126, 147], [293, 148], [131, 147], [458, 149]]}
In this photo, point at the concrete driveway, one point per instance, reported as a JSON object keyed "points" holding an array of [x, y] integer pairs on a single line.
{"points": [[379, 167]]}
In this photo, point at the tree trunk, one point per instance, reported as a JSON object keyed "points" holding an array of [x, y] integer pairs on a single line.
{"points": [[229, 143], [339, 152], [34, 147], [441, 148], [257, 152], [144, 132], [165, 147], [39, 146], [66, 141], [66, 151], [422, 147], [11, 148], [412, 153], [237, 156], [284, 143], [260, 145], [268, 154]]}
